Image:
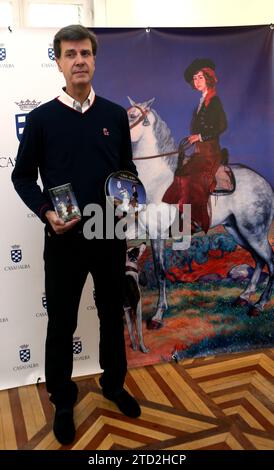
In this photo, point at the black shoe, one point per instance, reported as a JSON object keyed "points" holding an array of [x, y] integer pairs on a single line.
{"points": [[63, 426], [126, 403]]}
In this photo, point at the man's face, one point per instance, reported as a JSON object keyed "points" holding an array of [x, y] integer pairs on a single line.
{"points": [[77, 63]]}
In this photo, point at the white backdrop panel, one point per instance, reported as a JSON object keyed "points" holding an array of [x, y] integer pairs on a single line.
{"points": [[29, 74]]}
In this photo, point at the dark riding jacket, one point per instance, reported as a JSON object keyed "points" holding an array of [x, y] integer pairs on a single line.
{"points": [[210, 121]]}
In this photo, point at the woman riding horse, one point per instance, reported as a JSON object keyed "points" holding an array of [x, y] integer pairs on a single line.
{"points": [[194, 181]]}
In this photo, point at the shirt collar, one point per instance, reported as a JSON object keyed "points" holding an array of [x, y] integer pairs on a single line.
{"points": [[72, 103]]}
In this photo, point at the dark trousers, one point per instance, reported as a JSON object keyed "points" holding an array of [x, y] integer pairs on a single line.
{"points": [[68, 260]]}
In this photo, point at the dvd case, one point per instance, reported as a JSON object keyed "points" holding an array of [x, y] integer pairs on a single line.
{"points": [[126, 192], [64, 202]]}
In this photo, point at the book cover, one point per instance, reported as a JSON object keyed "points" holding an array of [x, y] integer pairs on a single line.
{"points": [[64, 202]]}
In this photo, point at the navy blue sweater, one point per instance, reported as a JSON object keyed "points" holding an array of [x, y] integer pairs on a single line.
{"points": [[66, 146]]}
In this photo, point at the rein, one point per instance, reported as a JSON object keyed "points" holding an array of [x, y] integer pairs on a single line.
{"points": [[169, 154], [183, 142], [138, 121]]}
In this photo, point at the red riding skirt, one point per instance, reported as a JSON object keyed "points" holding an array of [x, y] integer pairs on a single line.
{"points": [[194, 182]]}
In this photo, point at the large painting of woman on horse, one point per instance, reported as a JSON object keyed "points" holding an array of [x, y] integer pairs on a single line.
{"points": [[220, 287], [201, 114]]}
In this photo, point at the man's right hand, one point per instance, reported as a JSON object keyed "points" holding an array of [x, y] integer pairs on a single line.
{"points": [[58, 225]]}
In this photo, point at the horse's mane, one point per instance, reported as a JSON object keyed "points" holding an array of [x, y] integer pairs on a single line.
{"points": [[165, 141]]}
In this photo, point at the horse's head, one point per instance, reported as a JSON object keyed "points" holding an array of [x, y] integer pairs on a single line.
{"points": [[140, 117]]}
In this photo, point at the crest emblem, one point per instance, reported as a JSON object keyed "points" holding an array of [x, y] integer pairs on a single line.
{"points": [[20, 121], [51, 53], [77, 346], [44, 302], [16, 254], [2, 53], [24, 353]]}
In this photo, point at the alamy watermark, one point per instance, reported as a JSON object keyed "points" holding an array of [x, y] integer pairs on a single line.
{"points": [[157, 221]]}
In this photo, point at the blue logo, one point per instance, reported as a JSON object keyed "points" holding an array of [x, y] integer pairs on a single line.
{"points": [[51, 53], [24, 353], [2, 53], [20, 121], [16, 254], [77, 346], [44, 302]]}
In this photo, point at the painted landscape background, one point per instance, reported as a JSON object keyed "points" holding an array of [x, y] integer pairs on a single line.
{"points": [[201, 319]]}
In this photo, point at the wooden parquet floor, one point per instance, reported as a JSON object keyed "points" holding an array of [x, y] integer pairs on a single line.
{"points": [[221, 402]]}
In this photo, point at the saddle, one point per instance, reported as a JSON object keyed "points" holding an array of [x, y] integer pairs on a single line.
{"points": [[225, 179]]}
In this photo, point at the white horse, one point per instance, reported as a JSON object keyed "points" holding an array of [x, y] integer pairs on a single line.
{"points": [[62, 210], [246, 214], [124, 206]]}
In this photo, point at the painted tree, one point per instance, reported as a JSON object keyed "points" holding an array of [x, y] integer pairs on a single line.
{"points": [[223, 242]]}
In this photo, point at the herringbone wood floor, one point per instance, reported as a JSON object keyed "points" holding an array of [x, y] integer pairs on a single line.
{"points": [[221, 402]]}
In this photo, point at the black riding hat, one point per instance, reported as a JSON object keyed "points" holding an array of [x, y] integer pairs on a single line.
{"points": [[197, 65]]}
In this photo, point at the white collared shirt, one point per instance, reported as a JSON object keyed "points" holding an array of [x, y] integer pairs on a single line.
{"points": [[202, 99], [72, 103]]}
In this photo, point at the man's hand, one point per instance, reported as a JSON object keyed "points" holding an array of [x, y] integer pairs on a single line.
{"points": [[58, 225]]}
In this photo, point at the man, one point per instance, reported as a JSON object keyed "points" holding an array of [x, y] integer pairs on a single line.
{"points": [[78, 138]]}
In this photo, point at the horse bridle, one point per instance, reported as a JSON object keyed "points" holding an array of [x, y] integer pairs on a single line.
{"points": [[143, 116], [140, 119]]}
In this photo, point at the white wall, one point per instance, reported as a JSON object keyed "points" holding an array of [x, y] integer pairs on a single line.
{"points": [[154, 13], [183, 13]]}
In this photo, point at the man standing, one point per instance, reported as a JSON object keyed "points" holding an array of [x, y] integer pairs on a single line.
{"points": [[78, 138]]}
